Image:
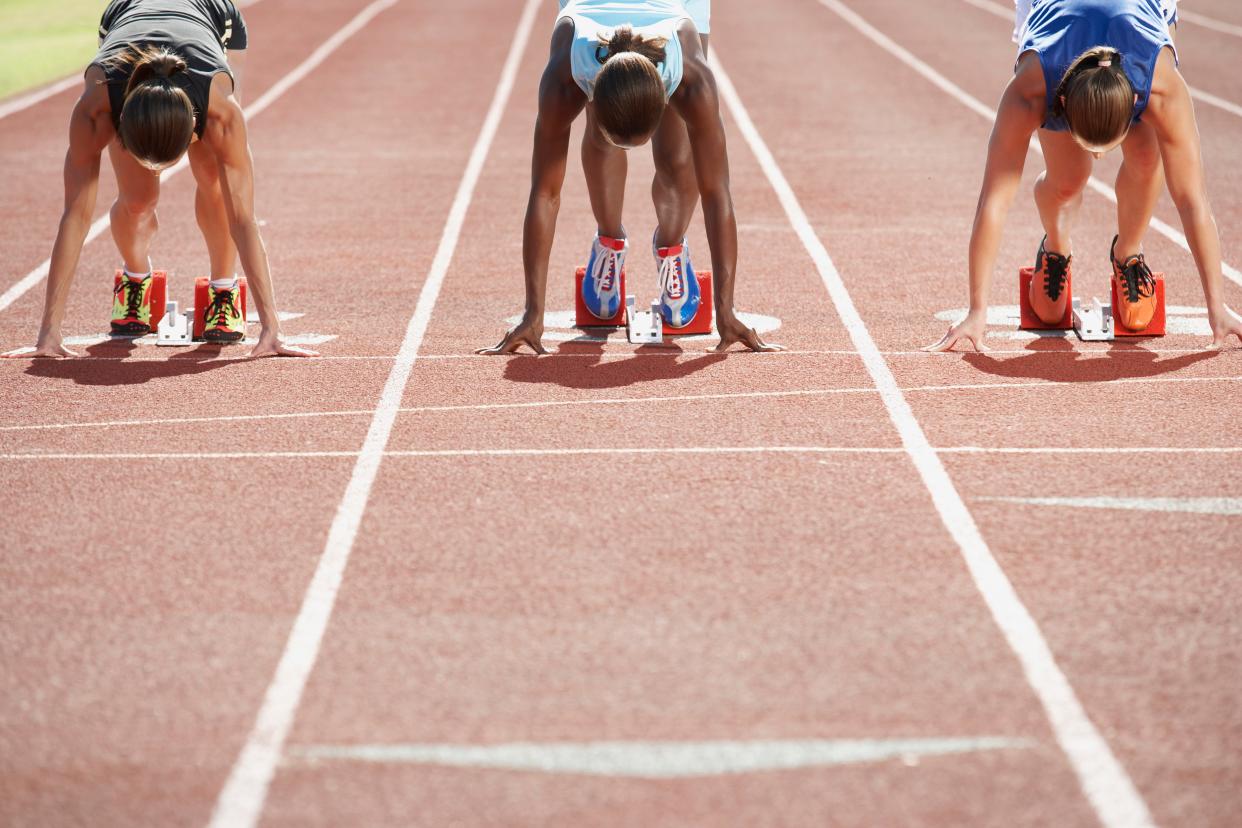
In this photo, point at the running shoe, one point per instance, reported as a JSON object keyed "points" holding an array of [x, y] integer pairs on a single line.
{"points": [[1136, 290], [223, 319], [679, 289], [601, 289], [1048, 294], [131, 308]]}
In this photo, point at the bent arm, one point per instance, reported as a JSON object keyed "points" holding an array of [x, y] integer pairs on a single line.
{"points": [[87, 137], [1016, 119]]}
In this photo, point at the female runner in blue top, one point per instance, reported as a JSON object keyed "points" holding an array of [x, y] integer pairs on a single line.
{"points": [[1091, 76], [639, 69]]}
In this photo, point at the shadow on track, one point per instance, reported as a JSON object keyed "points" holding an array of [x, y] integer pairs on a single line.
{"points": [[651, 363], [1046, 362], [105, 364]]}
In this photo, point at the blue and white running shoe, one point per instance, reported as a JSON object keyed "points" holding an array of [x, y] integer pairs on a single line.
{"points": [[679, 289], [601, 289]]}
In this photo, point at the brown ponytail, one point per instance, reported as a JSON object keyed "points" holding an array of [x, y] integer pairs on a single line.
{"points": [[1095, 97], [157, 119], [629, 91]]}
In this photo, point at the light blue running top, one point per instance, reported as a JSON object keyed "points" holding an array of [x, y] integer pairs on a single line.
{"points": [[650, 18], [1061, 30]]}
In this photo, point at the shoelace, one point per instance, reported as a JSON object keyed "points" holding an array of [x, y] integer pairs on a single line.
{"points": [[1057, 269], [605, 270], [133, 295], [671, 276], [221, 307], [1137, 277]]}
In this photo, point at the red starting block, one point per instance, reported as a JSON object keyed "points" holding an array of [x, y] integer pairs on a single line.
{"points": [[1031, 321], [1156, 326], [583, 318], [701, 324], [202, 300], [156, 296]]}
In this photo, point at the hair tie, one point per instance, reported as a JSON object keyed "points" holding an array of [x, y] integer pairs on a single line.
{"points": [[1105, 62]]}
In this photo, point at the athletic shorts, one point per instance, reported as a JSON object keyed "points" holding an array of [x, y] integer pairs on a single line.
{"points": [[1022, 11], [700, 11]]}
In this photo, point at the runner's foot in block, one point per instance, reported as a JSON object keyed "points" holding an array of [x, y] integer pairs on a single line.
{"points": [[1136, 290], [601, 289], [1048, 295], [131, 312], [223, 318], [679, 289]]}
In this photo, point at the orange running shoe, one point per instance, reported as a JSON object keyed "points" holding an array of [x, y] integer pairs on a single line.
{"points": [[1048, 296], [1136, 290], [223, 316], [131, 310]]}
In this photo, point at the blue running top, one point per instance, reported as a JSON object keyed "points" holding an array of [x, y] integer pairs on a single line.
{"points": [[650, 18], [1061, 30]]}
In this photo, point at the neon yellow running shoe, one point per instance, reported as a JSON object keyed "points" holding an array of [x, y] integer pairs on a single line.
{"points": [[131, 306], [223, 320]]}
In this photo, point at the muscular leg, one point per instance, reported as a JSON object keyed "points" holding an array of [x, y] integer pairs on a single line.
{"points": [[1058, 190], [133, 213], [605, 167], [675, 188], [213, 218], [1139, 181]]}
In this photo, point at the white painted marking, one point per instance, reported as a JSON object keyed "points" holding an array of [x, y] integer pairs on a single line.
{"points": [[241, 801], [261, 103], [1102, 777], [975, 105], [1209, 22], [560, 326], [1091, 450], [657, 760], [98, 339], [1007, 12], [17, 104], [1191, 505], [1180, 319]]}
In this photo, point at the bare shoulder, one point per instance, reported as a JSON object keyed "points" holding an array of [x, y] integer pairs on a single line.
{"points": [[1166, 80], [94, 99], [1029, 82], [90, 125], [224, 114]]}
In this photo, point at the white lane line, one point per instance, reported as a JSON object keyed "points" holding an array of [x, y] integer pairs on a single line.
{"points": [[632, 450], [1209, 22], [241, 801], [261, 103], [658, 760], [740, 395], [975, 105], [1190, 505], [1103, 779], [1007, 12]]}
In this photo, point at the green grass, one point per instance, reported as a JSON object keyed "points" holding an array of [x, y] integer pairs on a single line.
{"points": [[43, 40]]}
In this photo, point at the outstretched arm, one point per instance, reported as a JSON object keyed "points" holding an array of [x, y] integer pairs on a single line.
{"points": [[226, 136], [560, 101], [89, 132], [698, 103], [1017, 117], [1171, 113]]}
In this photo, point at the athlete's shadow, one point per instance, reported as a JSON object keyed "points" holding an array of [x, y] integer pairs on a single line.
{"points": [[108, 364], [581, 365], [1048, 360]]}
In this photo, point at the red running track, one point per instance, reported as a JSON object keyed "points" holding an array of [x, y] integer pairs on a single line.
{"points": [[771, 624]]}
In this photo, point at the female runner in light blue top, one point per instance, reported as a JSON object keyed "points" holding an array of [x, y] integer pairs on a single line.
{"points": [[639, 69], [1091, 76]]}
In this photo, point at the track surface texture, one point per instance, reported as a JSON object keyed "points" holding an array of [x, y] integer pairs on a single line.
{"points": [[846, 584]]}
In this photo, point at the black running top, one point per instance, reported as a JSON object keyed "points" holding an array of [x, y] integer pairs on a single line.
{"points": [[199, 31]]}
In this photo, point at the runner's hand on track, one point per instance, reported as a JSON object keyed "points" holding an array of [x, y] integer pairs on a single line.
{"points": [[273, 346], [731, 329], [51, 350], [971, 329], [527, 332], [1228, 324]]}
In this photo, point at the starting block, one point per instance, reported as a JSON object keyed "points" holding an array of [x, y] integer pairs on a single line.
{"points": [[643, 327], [175, 326], [1156, 326], [156, 296], [583, 318], [700, 324], [201, 292], [1032, 322], [1094, 322]]}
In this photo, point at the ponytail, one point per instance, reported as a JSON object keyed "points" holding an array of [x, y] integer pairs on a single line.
{"points": [[157, 118], [623, 39], [1095, 97], [629, 96]]}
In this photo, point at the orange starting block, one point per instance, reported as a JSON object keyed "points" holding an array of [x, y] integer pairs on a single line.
{"points": [[156, 296], [1156, 326], [201, 300], [1030, 321], [700, 324]]}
